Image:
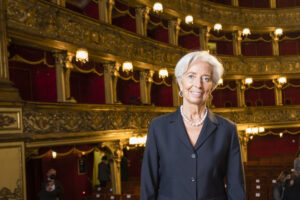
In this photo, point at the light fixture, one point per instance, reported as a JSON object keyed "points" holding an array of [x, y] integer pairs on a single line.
{"points": [[82, 55], [163, 73], [254, 130], [281, 80], [261, 129], [54, 154], [127, 67], [137, 140], [158, 7], [218, 27], [278, 32], [189, 19], [248, 81], [220, 82], [246, 32], [280, 134]]}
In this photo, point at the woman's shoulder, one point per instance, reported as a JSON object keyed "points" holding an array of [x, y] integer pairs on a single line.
{"points": [[222, 121], [164, 118]]}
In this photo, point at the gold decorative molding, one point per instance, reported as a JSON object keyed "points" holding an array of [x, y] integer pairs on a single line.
{"points": [[52, 23], [58, 119], [11, 120], [12, 171], [261, 66], [208, 13]]}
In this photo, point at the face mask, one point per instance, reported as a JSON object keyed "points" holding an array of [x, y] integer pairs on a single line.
{"points": [[52, 176]]}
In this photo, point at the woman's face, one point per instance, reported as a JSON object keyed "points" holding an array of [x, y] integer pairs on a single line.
{"points": [[196, 83]]}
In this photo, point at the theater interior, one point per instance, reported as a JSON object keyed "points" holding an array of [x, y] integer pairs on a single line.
{"points": [[80, 79]]}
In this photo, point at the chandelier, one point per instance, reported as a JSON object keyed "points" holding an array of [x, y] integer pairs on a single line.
{"points": [[158, 7], [163, 73], [82, 55], [127, 67]]}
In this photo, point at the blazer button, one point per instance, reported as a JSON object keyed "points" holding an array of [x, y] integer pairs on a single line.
{"points": [[193, 155], [193, 179]]}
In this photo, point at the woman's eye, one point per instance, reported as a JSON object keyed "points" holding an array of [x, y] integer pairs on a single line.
{"points": [[206, 79], [191, 76]]}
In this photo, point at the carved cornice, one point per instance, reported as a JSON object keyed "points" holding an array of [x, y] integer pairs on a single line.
{"points": [[261, 66], [37, 20], [208, 13], [58, 119], [51, 22]]}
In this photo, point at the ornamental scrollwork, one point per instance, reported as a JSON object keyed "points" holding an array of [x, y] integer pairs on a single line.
{"points": [[6, 120], [35, 18], [16, 194]]}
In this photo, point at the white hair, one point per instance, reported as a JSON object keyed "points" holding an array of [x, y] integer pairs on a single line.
{"points": [[186, 61]]}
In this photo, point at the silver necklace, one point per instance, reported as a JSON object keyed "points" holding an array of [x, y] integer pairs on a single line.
{"points": [[189, 121]]}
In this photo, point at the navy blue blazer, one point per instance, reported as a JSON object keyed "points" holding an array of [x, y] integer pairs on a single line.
{"points": [[174, 169]]}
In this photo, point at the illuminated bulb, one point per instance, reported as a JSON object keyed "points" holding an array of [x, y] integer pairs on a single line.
{"points": [[218, 27], [82, 55], [261, 129], [220, 82], [137, 140], [280, 134], [246, 31], [248, 81], [158, 7], [282, 80], [278, 31], [127, 66], [251, 137], [163, 73], [255, 130], [54, 154], [248, 130], [189, 19]]}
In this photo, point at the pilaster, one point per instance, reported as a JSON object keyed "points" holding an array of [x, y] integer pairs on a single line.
{"points": [[7, 91], [177, 100], [105, 10], [142, 17], [278, 93], [241, 93], [145, 86], [110, 81], [237, 43], [275, 46], [173, 31], [204, 37]]}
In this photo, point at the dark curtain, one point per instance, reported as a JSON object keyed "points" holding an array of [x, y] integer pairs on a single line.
{"points": [[36, 82], [260, 97], [189, 41], [270, 145], [128, 91], [225, 97], [291, 95], [87, 88], [224, 48]]}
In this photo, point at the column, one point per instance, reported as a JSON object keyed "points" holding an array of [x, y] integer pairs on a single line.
{"points": [[243, 144], [115, 164], [145, 86], [61, 3], [141, 19], [110, 81], [272, 3], [237, 43], [235, 3], [241, 93], [275, 46], [105, 10], [177, 100], [63, 66], [7, 91], [277, 93], [173, 31], [204, 37]]}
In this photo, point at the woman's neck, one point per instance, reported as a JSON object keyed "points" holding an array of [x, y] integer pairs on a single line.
{"points": [[194, 112]]}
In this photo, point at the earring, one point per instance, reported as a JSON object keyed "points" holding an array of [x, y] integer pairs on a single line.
{"points": [[180, 93]]}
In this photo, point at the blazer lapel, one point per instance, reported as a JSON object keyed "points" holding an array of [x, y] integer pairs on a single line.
{"points": [[210, 124], [178, 128]]}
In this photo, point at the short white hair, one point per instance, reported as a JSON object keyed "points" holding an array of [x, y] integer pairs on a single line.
{"points": [[186, 61]]}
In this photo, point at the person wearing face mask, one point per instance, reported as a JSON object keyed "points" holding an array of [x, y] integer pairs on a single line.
{"points": [[192, 152], [51, 188]]}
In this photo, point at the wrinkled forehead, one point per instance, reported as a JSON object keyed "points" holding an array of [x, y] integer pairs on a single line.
{"points": [[199, 65]]}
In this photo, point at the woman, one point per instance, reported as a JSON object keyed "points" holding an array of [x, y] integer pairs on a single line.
{"points": [[283, 180], [191, 151]]}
